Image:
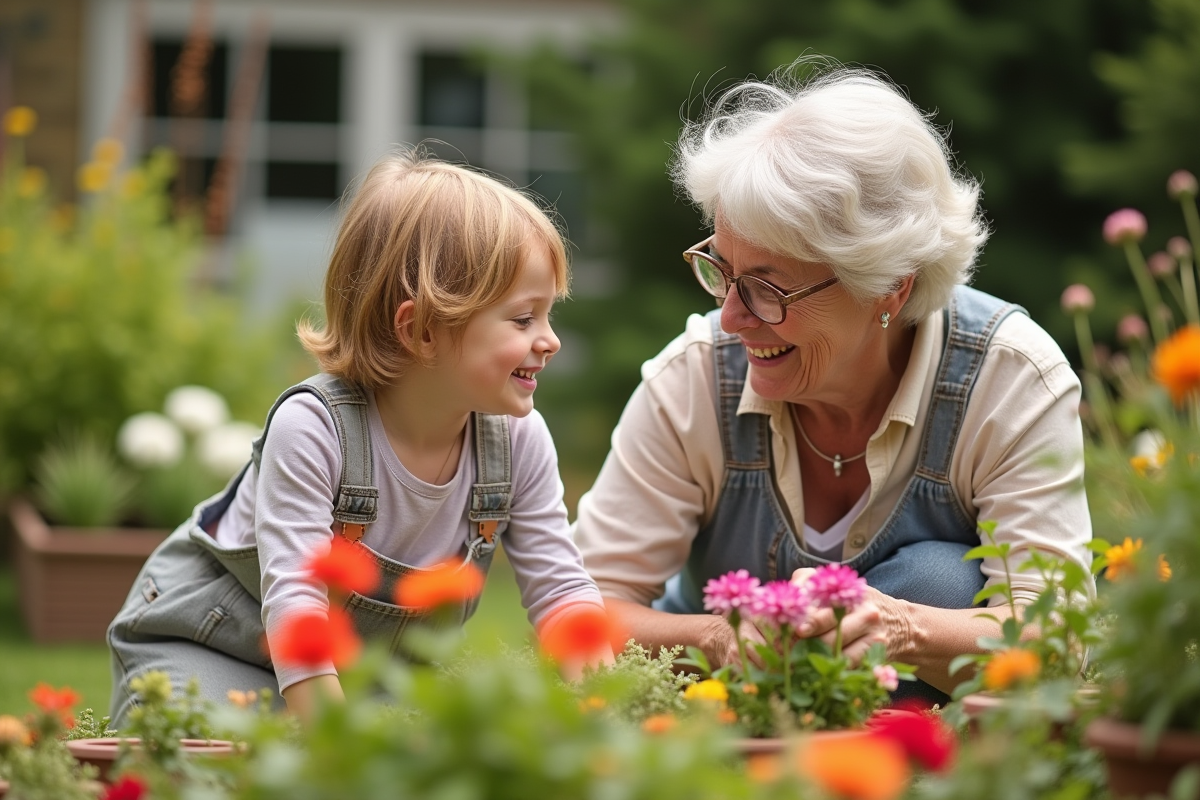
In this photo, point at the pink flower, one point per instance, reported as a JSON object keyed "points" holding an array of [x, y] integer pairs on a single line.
{"points": [[780, 603], [1160, 264], [836, 586], [1078, 298], [730, 592], [1179, 247], [887, 676], [1181, 184], [1124, 226], [1132, 328]]}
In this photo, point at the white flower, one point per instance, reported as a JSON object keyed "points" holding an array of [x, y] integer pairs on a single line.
{"points": [[150, 440], [196, 409], [225, 449]]}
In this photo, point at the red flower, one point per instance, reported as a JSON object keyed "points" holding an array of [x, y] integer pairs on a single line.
{"points": [[925, 739], [345, 568], [129, 787], [450, 582], [312, 638], [581, 632], [55, 701]]}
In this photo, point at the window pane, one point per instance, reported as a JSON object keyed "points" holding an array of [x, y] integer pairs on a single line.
{"points": [[452, 92], [214, 74], [302, 181], [304, 84]]}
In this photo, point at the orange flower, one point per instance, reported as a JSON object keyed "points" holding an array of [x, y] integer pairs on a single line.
{"points": [[1010, 667], [13, 731], [1163, 568], [1176, 363], [727, 716], [1122, 559], [659, 724], [55, 701], [856, 767], [313, 638], [592, 704], [580, 632], [763, 768], [345, 568], [445, 583], [20, 121]]}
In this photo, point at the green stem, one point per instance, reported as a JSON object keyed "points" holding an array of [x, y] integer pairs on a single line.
{"points": [[838, 614], [785, 638], [1187, 277], [735, 619], [1093, 385], [1192, 219], [1173, 283], [1150, 296]]}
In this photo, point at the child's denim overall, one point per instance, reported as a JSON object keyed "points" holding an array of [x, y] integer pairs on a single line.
{"points": [[195, 609], [916, 555]]}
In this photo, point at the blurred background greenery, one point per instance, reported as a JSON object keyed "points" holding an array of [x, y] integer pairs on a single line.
{"points": [[1063, 110]]}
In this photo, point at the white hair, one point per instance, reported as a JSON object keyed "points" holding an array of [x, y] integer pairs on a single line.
{"points": [[842, 170]]}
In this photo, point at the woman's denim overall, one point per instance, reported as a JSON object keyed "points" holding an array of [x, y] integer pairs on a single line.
{"points": [[916, 555], [195, 609]]}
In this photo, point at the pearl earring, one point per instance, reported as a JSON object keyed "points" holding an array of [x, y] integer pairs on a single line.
{"points": [[884, 319]]}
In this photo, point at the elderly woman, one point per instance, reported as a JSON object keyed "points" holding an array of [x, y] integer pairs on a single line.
{"points": [[851, 401]]}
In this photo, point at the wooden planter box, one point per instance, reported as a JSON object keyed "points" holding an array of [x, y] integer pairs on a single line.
{"points": [[72, 581]]}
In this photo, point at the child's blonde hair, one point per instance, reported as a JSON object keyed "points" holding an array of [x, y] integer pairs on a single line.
{"points": [[447, 238]]}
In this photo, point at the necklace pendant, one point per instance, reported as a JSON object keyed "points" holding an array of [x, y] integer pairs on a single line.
{"points": [[837, 465]]}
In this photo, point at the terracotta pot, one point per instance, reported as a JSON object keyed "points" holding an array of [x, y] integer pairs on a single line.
{"points": [[71, 582], [978, 704], [101, 753], [1132, 773]]}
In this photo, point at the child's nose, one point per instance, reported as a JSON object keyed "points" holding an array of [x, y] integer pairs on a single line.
{"points": [[550, 342]]}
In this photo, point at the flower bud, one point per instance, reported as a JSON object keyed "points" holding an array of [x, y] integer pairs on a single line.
{"points": [[1181, 185], [1124, 226], [1160, 264], [1078, 298], [1132, 328], [1179, 247], [13, 732], [196, 409], [150, 440]]}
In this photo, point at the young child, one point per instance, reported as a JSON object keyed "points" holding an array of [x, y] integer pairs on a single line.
{"points": [[419, 436]]}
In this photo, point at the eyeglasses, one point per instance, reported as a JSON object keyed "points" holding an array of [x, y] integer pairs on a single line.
{"points": [[764, 300]]}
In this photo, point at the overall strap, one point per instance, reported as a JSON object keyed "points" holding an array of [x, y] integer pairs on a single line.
{"points": [[745, 438], [491, 495], [970, 321], [356, 503]]}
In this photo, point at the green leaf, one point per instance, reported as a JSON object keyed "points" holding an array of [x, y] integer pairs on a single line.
{"points": [[984, 551], [988, 592]]}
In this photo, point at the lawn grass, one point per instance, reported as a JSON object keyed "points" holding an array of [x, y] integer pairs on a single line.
{"points": [[85, 667]]}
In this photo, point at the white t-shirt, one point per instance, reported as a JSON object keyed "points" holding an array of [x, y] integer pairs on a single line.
{"points": [[286, 508]]}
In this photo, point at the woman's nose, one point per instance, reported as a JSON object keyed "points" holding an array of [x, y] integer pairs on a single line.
{"points": [[734, 314]]}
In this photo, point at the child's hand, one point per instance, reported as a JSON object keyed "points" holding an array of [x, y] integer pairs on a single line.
{"points": [[305, 697]]}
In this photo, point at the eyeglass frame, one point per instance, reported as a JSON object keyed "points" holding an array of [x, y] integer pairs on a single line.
{"points": [[784, 299]]}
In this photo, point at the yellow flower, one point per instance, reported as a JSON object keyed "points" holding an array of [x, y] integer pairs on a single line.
{"points": [[13, 731], [1121, 558], [32, 182], [707, 690], [20, 121], [108, 151], [1176, 363], [592, 704], [1010, 667], [94, 176], [1164, 569]]}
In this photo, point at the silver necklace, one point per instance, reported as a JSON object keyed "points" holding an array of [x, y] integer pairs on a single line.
{"points": [[836, 459]]}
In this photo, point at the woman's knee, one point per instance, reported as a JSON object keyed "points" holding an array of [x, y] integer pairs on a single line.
{"points": [[930, 573]]}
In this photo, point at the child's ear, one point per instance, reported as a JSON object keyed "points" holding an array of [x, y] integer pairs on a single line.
{"points": [[402, 325]]}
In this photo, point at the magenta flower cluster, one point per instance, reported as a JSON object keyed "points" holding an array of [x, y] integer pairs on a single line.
{"points": [[782, 603], [836, 586], [730, 592]]}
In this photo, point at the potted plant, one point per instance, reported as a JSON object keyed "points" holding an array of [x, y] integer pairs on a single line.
{"points": [[34, 762], [790, 683], [1039, 658], [1146, 495], [94, 519]]}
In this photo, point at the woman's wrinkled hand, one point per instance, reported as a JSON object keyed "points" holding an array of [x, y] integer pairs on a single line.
{"points": [[723, 646], [876, 620]]}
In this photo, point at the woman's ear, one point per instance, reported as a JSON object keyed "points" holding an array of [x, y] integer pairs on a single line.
{"points": [[894, 302], [403, 326]]}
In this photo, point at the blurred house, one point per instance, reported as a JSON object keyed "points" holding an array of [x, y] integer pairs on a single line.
{"points": [[279, 104]]}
